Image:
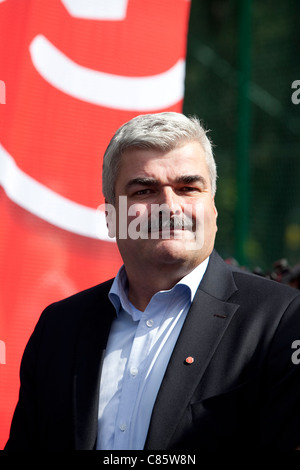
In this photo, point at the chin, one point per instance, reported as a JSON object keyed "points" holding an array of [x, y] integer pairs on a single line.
{"points": [[171, 251]]}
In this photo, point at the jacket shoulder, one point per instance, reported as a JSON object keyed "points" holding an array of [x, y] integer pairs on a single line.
{"points": [[260, 284], [85, 297], [234, 284], [73, 310]]}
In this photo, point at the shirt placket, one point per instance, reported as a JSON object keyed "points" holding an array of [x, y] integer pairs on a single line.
{"points": [[134, 374]]}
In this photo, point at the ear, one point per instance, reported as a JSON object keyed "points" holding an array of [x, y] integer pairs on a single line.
{"points": [[215, 209], [110, 215]]}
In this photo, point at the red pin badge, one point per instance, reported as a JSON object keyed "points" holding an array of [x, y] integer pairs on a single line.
{"points": [[189, 360]]}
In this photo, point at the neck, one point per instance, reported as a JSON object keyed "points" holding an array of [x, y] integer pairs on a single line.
{"points": [[143, 284]]}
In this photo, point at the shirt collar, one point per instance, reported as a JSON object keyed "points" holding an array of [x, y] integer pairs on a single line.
{"points": [[118, 293], [193, 279]]}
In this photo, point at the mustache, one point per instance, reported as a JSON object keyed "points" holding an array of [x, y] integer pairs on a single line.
{"points": [[162, 221]]}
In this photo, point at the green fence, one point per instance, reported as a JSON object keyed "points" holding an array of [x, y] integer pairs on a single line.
{"points": [[243, 57]]}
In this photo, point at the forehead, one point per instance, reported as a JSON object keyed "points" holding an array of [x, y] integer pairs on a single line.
{"points": [[187, 158]]}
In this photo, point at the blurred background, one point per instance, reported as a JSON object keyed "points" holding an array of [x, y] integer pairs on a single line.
{"points": [[242, 58]]}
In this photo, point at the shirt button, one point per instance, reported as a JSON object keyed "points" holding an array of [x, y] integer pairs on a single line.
{"points": [[123, 427], [134, 371], [149, 323]]}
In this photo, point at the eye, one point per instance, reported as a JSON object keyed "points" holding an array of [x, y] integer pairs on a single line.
{"points": [[142, 192], [186, 189]]}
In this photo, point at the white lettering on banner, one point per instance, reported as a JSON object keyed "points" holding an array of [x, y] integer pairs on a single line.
{"points": [[2, 352], [47, 204], [97, 9], [104, 89]]}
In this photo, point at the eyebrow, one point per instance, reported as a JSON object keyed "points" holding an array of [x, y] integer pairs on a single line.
{"points": [[184, 179], [151, 182], [189, 179], [142, 182]]}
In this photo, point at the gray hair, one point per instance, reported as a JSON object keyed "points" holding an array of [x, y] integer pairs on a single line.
{"points": [[163, 132]]}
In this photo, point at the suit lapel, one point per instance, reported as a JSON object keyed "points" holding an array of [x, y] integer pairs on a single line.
{"points": [[205, 325], [88, 363]]}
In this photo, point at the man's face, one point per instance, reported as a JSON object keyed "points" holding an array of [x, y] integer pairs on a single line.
{"points": [[158, 188]]}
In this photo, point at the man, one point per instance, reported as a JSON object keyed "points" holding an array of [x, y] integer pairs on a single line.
{"points": [[180, 351]]}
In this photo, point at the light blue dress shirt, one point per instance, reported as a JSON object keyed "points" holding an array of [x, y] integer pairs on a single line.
{"points": [[138, 351]]}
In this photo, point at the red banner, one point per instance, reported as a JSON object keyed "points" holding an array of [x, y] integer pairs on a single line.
{"points": [[71, 72]]}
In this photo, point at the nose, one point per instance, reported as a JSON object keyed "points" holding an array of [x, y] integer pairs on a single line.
{"points": [[171, 200]]}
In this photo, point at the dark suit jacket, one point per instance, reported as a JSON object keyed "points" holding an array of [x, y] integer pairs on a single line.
{"points": [[242, 390]]}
